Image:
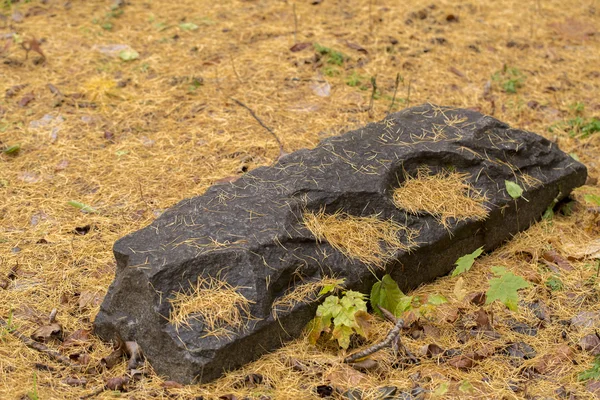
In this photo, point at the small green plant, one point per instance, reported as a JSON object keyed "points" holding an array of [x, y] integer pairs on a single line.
{"points": [[591, 373], [592, 198], [577, 107], [347, 315], [510, 79], [8, 328], [514, 190], [355, 79], [332, 56], [578, 127], [505, 288], [33, 394], [330, 70], [464, 263], [554, 283], [12, 150]]}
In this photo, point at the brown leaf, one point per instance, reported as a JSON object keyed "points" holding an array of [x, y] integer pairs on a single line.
{"points": [[46, 332], [134, 351], [80, 358], [431, 350], [13, 90], [586, 319], [228, 397], [593, 386], [26, 99], [447, 312], [591, 343], [463, 362], [171, 385], [118, 383], [553, 361], [363, 319], [554, 257], [113, 358], [431, 331], [357, 47], [89, 299], [72, 381], [574, 29], [365, 365], [482, 320], [457, 72], [346, 377], [78, 338], [478, 298], [300, 46]]}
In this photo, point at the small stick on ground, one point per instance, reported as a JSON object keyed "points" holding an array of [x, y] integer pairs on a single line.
{"points": [[295, 24], [392, 338], [399, 79], [42, 348], [374, 85], [408, 94], [282, 152]]}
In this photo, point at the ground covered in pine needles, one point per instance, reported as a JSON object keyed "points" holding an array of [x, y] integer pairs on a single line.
{"points": [[112, 112]]}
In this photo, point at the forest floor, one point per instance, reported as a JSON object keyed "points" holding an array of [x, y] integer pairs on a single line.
{"points": [[126, 108]]}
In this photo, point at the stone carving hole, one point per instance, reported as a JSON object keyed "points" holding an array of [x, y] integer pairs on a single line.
{"points": [[214, 302], [444, 195], [369, 239]]}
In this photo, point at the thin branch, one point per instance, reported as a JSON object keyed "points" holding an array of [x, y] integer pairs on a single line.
{"points": [[374, 85], [399, 78], [42, 348], [281, 150], [389, 339]]}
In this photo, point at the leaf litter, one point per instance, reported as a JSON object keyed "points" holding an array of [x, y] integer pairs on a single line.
{"points": [[55, 276]]}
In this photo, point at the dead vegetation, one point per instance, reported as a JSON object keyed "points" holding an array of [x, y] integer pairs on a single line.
{"points": [[215, 303], [126, 109], [304, 293], [368, 239], [443, 195]]}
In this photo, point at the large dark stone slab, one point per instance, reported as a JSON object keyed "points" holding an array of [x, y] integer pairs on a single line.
{"points": [[251, 232]]}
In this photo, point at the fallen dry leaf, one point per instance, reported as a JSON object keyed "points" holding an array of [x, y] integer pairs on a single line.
{"points": [[171, 385], [477, 298], [357, 47], [574, 29], [118, 383], [482, 320], [551, 363], [89, 299], [346, 377], [431, 350], [134, 351], [73, 381], [459, 289], [78, 338], [591, 343], [365, 365], [47, 332], [299, 47], [463, 362], [554, 257], [26, 99]]}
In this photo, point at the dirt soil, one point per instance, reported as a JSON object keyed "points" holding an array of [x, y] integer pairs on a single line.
{"points": [[113, 112]]}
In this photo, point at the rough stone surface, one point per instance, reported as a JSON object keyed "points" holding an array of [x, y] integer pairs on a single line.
{"points": [[251, 232]]}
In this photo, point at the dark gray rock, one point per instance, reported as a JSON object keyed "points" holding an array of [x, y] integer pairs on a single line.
{"points": [[265, 249]]}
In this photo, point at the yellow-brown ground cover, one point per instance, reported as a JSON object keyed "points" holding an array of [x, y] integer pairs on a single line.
{"points": [[130, 138]]}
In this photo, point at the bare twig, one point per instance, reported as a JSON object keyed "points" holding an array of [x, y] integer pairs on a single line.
{"points": [[408, 94], [295, 24], [392, 339], [399, 79], [234, 69], [374, 85], [54, 355], [282, 152]]}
